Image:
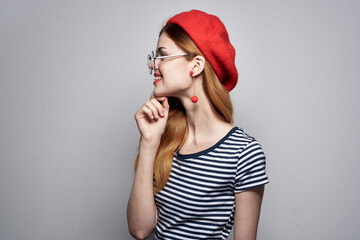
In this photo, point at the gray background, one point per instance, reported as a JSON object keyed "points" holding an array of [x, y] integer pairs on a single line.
{"points": [[73, 73]]}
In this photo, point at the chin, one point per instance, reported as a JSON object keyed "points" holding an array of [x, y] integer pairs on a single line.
{"points": [[159, 93], [162, 91]]}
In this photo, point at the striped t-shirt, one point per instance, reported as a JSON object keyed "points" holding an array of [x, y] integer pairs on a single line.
{"points": [[198, 200]]}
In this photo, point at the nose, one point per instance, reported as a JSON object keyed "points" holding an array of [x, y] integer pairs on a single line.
{"points": [[152, 65], [156, 65]]}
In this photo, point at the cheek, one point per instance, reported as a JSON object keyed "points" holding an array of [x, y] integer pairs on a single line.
{"points": [[176, 75], [177, 79]]}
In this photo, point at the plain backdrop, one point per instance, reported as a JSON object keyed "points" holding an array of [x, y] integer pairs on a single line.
{"points": [[73, 74]]}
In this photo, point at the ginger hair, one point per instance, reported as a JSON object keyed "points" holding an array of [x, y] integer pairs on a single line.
{"points": [[176, 127]]}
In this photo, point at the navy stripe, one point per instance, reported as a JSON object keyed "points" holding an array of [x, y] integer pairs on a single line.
{"points": [[210, 162], [211, 191], [198, 201]]}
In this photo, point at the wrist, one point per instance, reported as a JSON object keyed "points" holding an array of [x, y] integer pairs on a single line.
{"points": [[149, 142]]}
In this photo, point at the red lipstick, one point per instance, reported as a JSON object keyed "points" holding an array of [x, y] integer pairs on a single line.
{"points": [[156, 81], [157, 78]]}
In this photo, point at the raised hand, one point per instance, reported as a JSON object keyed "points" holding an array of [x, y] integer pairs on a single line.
{"points": [[151, 118]]}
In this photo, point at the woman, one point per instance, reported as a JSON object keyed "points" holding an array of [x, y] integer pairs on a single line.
{"points": [[196, 174]]}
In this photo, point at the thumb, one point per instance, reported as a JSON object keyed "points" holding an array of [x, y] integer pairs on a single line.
{"points": [[165, 104]]}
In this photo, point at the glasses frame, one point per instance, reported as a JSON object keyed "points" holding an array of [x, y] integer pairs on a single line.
{"points": [[151, 59]]}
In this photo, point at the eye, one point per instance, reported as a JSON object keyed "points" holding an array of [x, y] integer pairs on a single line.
{"points": [[161, 53]]}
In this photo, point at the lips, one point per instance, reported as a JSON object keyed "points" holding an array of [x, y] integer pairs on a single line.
{"points": [[157, 74], [157, 78], [156, 81]]}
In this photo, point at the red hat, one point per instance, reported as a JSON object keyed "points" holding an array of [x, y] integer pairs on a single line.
{"points": [[211, 37]]}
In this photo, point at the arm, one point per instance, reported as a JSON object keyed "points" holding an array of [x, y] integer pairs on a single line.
{"points": [[141, 211], [247, 213]]}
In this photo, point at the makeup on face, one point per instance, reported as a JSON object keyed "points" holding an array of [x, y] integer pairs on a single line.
{"points": [[157, 78]]}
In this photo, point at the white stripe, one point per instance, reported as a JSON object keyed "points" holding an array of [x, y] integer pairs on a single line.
{"points": [[195, 188], [201, 189]]}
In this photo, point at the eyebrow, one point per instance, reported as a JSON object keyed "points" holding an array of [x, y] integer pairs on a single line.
{"points": [[160, 48]]}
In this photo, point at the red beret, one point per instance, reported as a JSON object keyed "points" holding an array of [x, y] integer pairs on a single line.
{"points": [[211, 37]]}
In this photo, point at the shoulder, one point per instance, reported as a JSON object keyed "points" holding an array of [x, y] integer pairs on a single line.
{"points": [[239, 138], [251, 164], [240, 135], [241, 142]]}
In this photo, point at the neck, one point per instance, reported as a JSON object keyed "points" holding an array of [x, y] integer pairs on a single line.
{"points": [[204, 124]]}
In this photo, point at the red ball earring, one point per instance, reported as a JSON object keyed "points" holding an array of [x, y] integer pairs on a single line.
{"points": [[194, 98]]}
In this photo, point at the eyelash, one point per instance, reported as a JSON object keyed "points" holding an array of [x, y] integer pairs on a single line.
{"points": [[161, 54]]}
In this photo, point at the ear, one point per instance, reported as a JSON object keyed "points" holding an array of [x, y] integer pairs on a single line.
{"points": [[197, 65]]}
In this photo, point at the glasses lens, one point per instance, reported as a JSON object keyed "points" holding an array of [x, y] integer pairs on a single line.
{"points": [[150, 62]]}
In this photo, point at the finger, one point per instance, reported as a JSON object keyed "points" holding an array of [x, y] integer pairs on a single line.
{"points": [[158, 106], [163, 99], [160, 98], [147, 112], [165, 104], [152, 107]]}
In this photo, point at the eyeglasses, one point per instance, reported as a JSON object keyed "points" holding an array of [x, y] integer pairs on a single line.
{"points": [[151, 59]]}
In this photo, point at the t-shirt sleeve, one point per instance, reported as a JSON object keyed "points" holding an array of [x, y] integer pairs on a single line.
{"points": [[250, 171]]}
